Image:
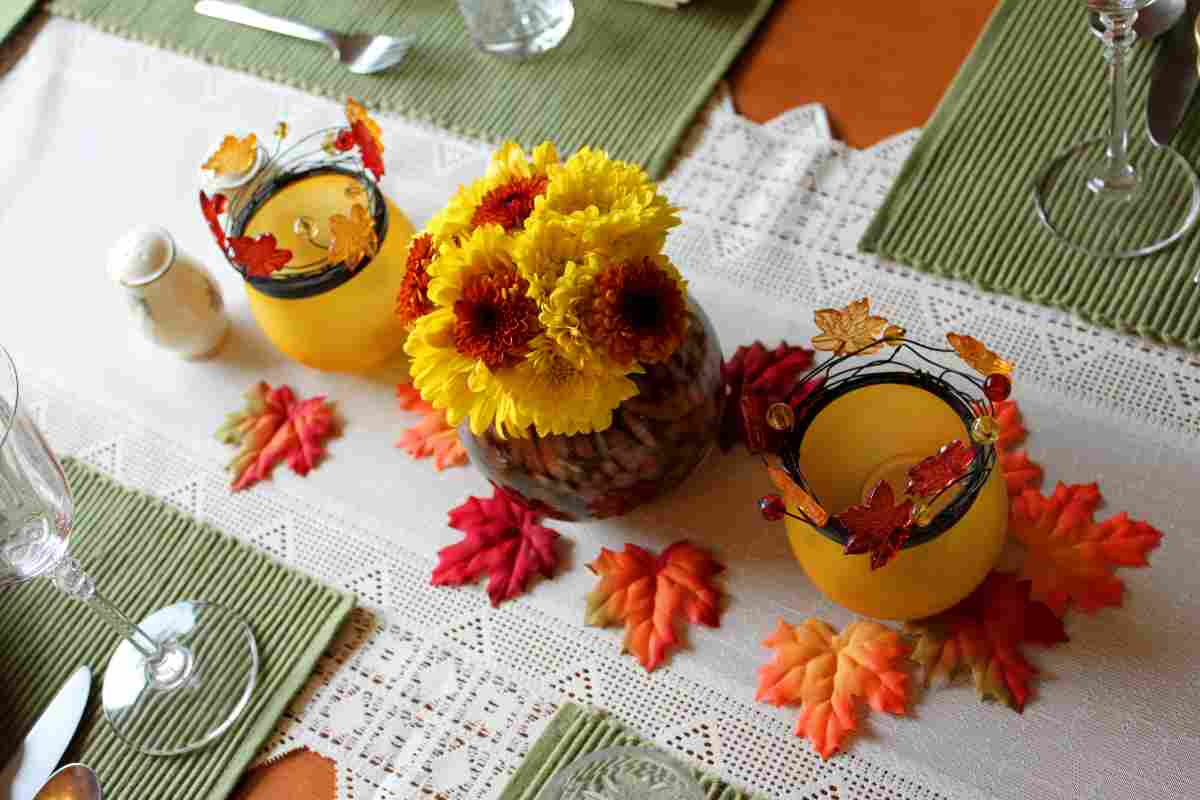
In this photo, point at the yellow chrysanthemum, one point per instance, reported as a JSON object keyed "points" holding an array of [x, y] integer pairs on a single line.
{"points": [[590, 179], [487, 249], [511, 184], [540, 385], [544, 250], [564, 310]]}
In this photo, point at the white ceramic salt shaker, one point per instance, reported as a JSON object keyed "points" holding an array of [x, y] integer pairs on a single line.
{"points": [[172, 298]]}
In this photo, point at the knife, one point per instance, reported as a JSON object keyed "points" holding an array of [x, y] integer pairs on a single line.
{"points": [[1174, 79], [43, 748]]}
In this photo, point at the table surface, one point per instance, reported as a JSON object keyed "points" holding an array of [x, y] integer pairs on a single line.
{"points": [[797, 58]]}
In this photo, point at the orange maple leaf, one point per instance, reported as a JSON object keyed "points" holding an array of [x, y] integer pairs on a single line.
{"points": [[234, 156], [260, 257], [432, 436], [366, 133], [1070, 558], [1019, 470], [977, 356], [352, 239], [275, 426], [984, 633], [647, 593], [825, 672], [850, 330]]}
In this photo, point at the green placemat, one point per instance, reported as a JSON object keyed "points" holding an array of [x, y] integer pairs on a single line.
{"points": [[143, 555], [962, 205], [628, 78], [574, 732], [12, 14]]}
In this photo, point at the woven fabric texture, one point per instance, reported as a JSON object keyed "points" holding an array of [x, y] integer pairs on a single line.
{"points": [[962, 206], [628, 78], [144, 555]]}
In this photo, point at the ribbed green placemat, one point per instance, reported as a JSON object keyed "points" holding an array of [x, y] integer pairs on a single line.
{"points": [[628, 78], [574, 732], [962, 205], [143, 555]]}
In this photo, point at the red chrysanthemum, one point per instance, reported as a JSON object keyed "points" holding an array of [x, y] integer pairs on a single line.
{"points": [[639, 312], [511, 204], [412, 300], [494, 319]]}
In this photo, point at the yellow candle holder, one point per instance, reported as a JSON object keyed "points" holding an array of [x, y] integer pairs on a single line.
{"points": [[890, 490], [322, 251]]}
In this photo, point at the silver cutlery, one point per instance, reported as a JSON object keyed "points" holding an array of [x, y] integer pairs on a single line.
{"points": [[362, 54], [43, 748], [1174, 79], [1152, 22], [72, 782]]}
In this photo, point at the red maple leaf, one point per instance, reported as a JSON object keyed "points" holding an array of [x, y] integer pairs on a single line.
{"points": [[275, 426], [1020, 473], [985, 633], [880, 527], [933, 474], [1069, 557], [368, 148], [504, 539], [260, 257], [212, 208], [1012, 425], [646, 594], [432, 436], [770, 376]]}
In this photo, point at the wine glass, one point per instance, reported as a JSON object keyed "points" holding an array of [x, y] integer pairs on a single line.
{"points": [[1098, 198], [180, 677]]}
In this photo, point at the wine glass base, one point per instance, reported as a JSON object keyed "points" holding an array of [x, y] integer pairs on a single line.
{"points": [[195, 693], [1118, 218]]}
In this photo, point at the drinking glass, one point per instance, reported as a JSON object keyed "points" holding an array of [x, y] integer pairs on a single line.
{"points": [[180, 677], [1099, 197], [517, 28], [623, 773]]}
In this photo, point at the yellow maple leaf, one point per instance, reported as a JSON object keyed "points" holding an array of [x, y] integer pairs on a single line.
{"points": [[357, 112], [353, 238], [849, 330], [826, 673], [234, 156], [793, 495], [977, 356]]}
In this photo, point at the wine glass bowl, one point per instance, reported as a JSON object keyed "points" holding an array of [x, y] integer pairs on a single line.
{"points": [[1104, 197], [181, 677]]}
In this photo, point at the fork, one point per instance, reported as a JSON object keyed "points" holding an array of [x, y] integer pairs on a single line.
{"points": [[362, 54]]}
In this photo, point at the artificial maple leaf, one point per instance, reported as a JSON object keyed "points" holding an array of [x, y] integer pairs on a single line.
{"points": [[977, 356], [432, 436], [367, 135], [1012, 424], [504, 539], [796, 497], [931, 475], [234, 156], [770, 376], [1069, 557], [260, 257], [1020, 473], [275, 426], [984, 633], [850, 330], [212, 208], [826, 672], [647, 593], [353, 238], [880, 527]]}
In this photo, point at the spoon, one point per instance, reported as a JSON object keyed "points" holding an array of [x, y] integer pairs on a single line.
{"points": [[1153, 21], [362, 54], [72, 782]]}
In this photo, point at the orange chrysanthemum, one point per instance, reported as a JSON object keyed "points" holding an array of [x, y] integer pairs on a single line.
{"points": [[639, 312], [412, 300], [494, 319], [511, 204]]}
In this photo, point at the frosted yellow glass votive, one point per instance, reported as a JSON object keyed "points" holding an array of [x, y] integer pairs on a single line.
{"points": [[335, 319], [875, 428]]}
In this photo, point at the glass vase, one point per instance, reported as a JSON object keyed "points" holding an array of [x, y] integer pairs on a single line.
{"points": [[656, 440]]}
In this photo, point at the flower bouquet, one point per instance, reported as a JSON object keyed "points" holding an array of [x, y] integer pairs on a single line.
{"points": [[546, 319]]}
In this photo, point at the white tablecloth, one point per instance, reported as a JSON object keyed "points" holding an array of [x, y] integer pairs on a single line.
{"points": [[432, 692]]}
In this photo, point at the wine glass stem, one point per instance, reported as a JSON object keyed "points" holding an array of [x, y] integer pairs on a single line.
{"points": [[1117, 176], [166, 664]]}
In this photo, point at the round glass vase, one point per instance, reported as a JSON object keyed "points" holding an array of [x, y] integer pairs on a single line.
{"points": [[875, 427], [656, 440], [333, 319]]}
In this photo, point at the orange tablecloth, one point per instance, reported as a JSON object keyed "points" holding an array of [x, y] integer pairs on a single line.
{"points": [[878, 68]]}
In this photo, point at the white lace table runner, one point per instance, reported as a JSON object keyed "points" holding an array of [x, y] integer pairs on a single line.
{"points": [[431, 692]]}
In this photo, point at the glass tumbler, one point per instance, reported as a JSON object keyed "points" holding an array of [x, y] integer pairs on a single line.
{"points": [[517, 28]]}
